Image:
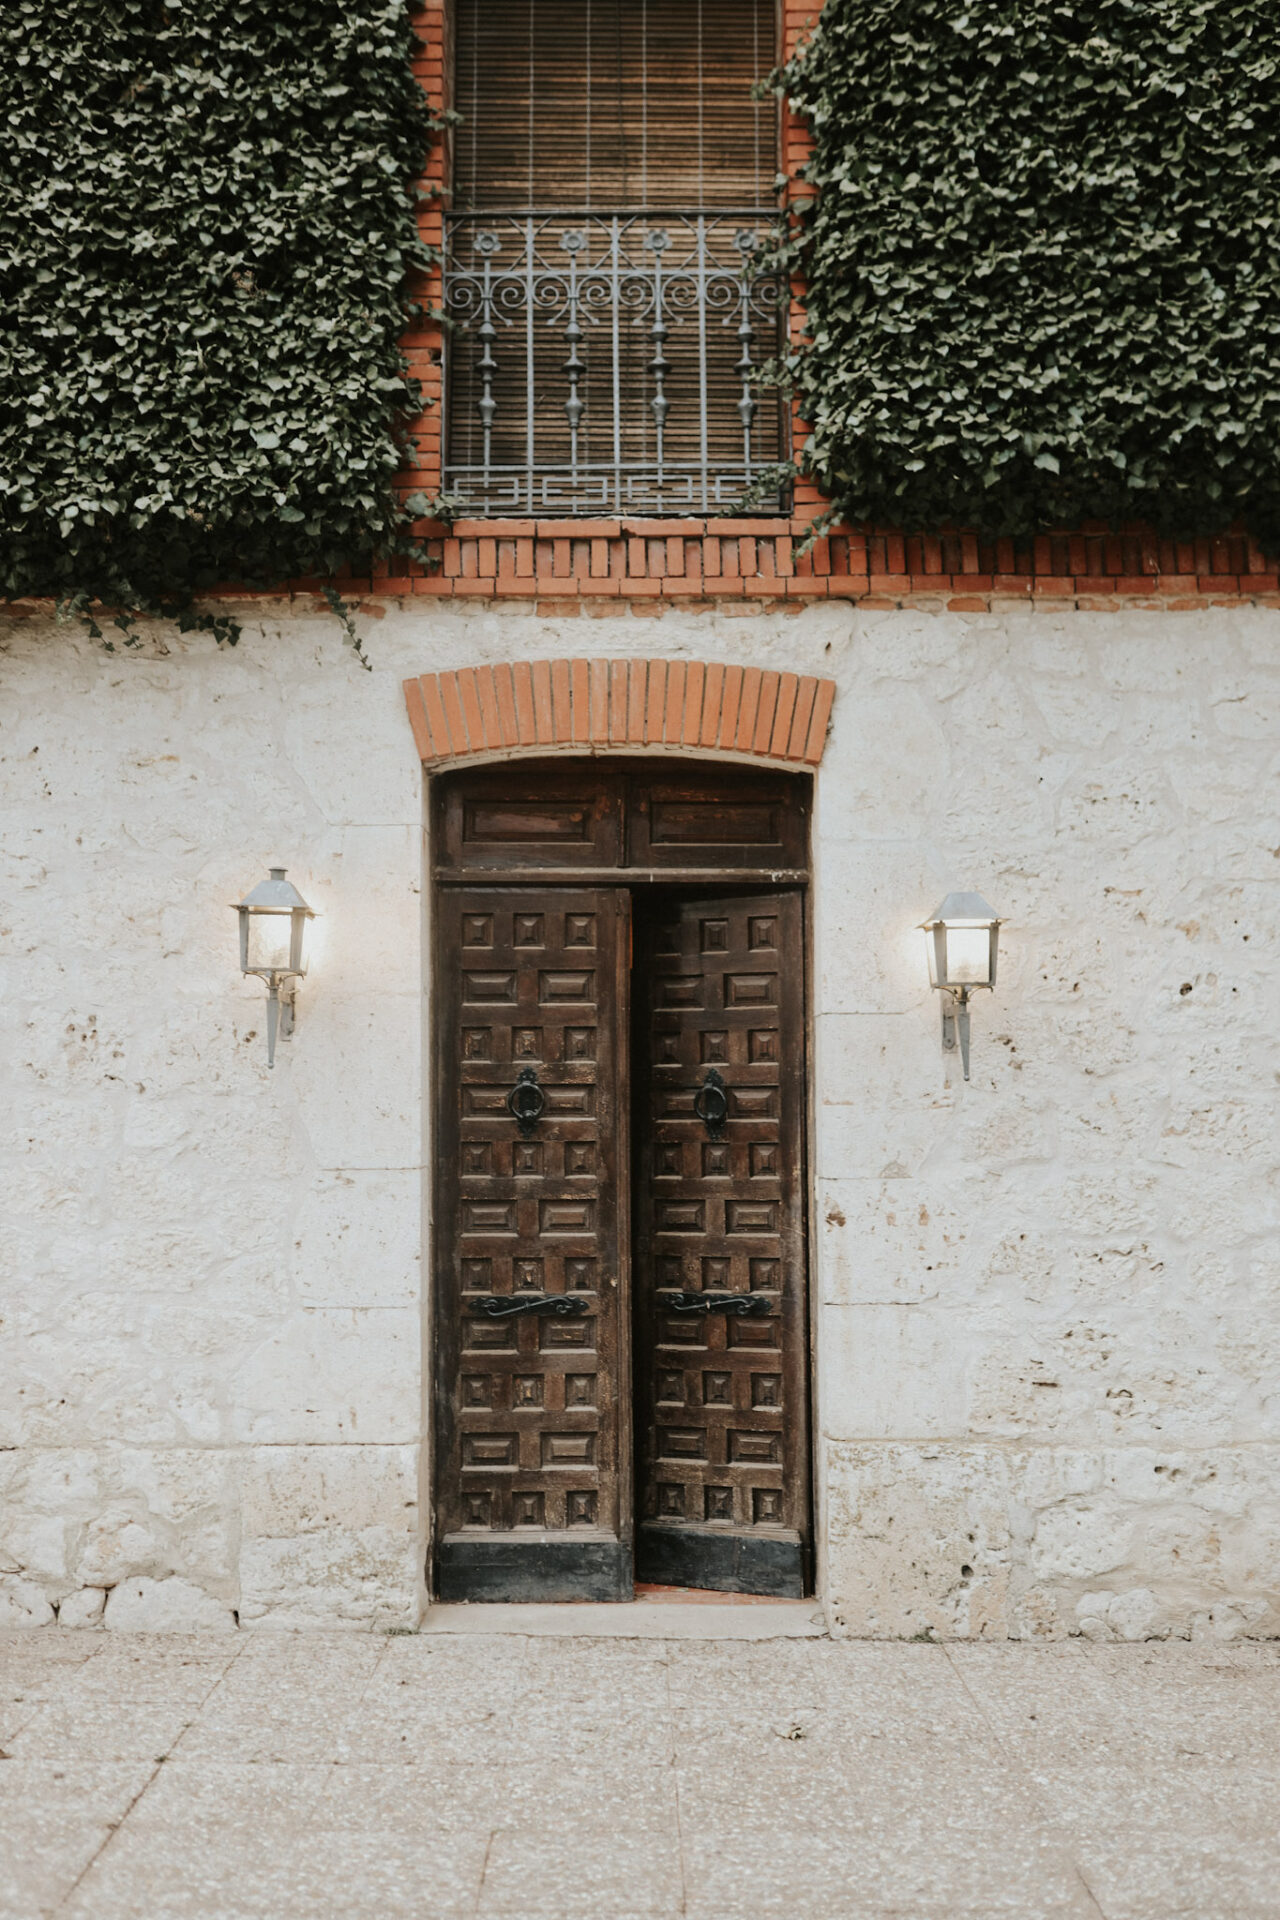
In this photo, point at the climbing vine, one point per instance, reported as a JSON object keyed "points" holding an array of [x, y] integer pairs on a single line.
{"points": [[207, 251], [1042, 264]]}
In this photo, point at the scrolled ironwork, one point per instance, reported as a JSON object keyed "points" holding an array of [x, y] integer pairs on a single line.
{"points": [[506, 1306], [745, 1306], [609, 362]]}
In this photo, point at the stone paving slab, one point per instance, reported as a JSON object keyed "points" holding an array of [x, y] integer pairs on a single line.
{"points": [[539, 1776]]}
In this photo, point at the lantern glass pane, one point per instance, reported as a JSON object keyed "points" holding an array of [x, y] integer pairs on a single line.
{"points": [[270, 939], [968, 956], [298, 943]]}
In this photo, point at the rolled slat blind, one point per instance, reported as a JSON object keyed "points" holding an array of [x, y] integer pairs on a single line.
{"points": [[613, 103]]}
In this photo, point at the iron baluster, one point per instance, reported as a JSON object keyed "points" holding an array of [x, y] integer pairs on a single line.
{"points": [[659, 366], [487, 243], [745, 241], [702, 353], [575, 365], [529, 424], [615, 305]]}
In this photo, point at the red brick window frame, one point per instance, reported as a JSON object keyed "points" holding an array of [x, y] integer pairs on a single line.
{"points": [[590, 706]]}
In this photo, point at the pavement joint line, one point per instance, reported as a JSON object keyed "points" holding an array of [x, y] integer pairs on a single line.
{"points": [[236, 1652], [1025, 1786]]}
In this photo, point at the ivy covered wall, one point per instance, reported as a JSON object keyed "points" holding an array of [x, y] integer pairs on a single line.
{"points": [[206, 235], [1042, 265]]}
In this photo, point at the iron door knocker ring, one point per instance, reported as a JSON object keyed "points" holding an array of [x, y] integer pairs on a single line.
{"points": [[526, 1100]]}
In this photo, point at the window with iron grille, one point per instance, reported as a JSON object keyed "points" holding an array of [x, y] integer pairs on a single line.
{"points": [[612, 182]]}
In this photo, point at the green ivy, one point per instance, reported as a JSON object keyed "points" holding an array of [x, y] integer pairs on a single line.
{"points": [[206, 236], [1042, 264]]}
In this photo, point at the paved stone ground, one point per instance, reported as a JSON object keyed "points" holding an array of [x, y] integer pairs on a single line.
{"points": [[484, 1776]]}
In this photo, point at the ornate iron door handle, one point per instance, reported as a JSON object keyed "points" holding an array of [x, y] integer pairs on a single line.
{"points": [[711, 1104], [526, 1100], [505, 1306], [745, 1305]]}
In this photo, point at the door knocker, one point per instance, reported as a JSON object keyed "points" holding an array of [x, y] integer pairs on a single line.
{"points": [[526, 1100], [711, 1104]]}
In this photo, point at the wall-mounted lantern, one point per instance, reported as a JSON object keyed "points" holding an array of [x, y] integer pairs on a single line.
{"points": [[273, 945], [963, 936]]}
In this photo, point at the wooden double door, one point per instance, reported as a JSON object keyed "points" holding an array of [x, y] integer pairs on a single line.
{"points": [[621, 1328]]}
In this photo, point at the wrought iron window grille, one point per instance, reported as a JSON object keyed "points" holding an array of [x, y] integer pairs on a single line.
{"points": [[608, 363]]}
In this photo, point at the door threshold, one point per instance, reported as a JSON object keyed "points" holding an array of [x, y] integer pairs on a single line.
{"points": [[656, 1613]]}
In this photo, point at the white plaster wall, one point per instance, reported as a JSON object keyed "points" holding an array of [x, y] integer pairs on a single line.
{"points": [[1049, 1320]]}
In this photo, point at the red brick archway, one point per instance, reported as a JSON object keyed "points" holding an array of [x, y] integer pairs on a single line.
{"points": [[590, 705]]}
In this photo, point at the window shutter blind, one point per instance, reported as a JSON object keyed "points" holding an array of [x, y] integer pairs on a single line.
{"points": [[613, 103]]}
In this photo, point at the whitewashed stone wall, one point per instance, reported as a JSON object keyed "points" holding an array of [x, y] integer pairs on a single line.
{"points": [[1049, 1321]]}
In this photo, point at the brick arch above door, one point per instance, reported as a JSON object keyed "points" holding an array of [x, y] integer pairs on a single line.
{"points": [[576, 706]]}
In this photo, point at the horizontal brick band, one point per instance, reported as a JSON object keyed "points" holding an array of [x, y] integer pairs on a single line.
{"points": [[575, 705]]}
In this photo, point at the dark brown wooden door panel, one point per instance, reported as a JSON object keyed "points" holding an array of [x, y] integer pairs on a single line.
{"points": [[721, 1395], [559, 1453], [533, 1476]]}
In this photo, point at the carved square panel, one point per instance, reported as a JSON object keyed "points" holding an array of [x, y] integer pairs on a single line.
{"points": [[670, 1500], [490, 1450], [714, 936], [713, 1047], [682, 1443], [755, 1449], [765, 1162], [750, 1216], [579, 1043], [579, 1156], [715, 1160], [488, 1336], [753, 1103], [528, 930], [668, 1159], [477, 1043], [477, 1389], [683, 1330], [715, 1273], [477, 1276], [751, 989], [580, 1507], [495, 988], [477, 1156], [741, 1331], [762, 1046], [680, 1216], [555, 1335], [719, 1503], [476, 1508], [561, 987], [488, 1216], [669, 1270], [568, 1449], [680, 990], [580, 1389], [766, 1506], [580, 929], [766, 1389], [579, 1274], [717, 1389], [566, 1216], [666, 1049], [526, 1390], [765, 1275], [526, 1043], [527, 1156], [670, 1385], [528, 1510], [762, 931], [477, 929]]}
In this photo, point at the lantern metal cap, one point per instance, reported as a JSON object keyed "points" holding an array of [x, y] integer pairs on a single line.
{"points": [[963, 908], [275, 895]]}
